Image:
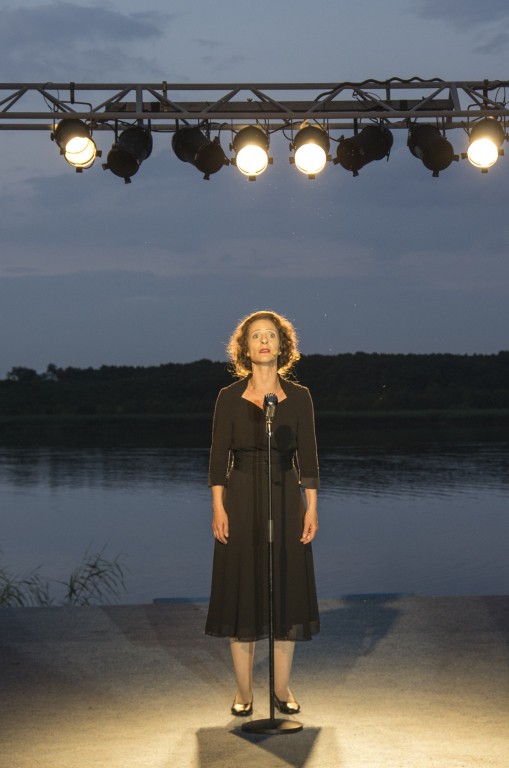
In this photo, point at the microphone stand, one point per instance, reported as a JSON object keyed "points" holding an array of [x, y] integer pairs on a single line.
{"points": [[272, 725]]}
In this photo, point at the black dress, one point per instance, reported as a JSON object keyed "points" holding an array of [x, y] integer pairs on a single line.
{"points": [[238, 460]]}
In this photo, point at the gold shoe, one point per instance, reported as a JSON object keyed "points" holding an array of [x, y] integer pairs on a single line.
{"points": [[242, 710]]}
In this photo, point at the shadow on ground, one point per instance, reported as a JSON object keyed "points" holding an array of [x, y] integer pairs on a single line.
{"points": [[221, 748]]}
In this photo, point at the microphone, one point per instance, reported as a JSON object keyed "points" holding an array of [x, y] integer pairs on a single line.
{"points": [[269, 406]]}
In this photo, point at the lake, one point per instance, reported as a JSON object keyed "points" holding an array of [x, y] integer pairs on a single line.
{"points": [[404, 508]]}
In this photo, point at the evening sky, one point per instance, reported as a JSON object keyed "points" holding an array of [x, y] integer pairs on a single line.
{"points": [[94, 271]]}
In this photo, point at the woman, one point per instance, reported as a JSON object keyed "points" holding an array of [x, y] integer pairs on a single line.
{"points": [[262, 350]]}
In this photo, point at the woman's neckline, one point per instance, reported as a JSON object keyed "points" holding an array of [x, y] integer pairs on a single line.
{"points": [[260, 407]]}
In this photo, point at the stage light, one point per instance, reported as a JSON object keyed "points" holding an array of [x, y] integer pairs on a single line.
{"points": [[374, 142], [427, 144], [132, 147], [76, 144], [192, 146], [251, 146], [311, 147], [486, 140]]}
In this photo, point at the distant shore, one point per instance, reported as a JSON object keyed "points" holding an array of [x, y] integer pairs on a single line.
{"points": [[193, 430], [450, 414]]}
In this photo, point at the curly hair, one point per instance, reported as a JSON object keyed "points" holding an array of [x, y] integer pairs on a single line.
{"points": [[240, 362]]}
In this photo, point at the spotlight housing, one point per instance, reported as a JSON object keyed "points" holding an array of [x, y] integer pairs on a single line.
{"points": [[132, 147], [251, 147], [374, 142], [76, 144], [192, 146], [427, 144], [486, 139], [311, 147]]}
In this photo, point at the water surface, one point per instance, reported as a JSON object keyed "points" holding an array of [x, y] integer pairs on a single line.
{"points": [[402, 510]]}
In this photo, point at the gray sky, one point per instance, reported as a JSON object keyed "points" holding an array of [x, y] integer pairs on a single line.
{"points": [[93, 271]]}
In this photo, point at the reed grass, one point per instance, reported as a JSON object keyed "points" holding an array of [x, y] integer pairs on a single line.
{"points": [[96, 580]]}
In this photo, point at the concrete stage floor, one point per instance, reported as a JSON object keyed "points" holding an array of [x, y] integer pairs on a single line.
{"points": [[390, 682]]}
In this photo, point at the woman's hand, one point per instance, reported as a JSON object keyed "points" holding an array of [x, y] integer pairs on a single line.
{"points": [[310, 527], [219, 516], [220, 525]]}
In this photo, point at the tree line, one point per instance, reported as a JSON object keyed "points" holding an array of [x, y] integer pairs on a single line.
{"points": [[345, 382]]}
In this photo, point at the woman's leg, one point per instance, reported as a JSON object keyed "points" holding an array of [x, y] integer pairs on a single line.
{"points": [[243, 656], [283, 657]]}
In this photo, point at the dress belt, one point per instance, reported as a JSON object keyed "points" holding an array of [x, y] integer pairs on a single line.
{"points": [[251, 464]]}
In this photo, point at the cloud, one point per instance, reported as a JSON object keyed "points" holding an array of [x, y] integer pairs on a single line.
{"points": [[484, 21], [209, 44], [496, 43], [71, 23], [60, 39], [464, 13], [478, 269]]}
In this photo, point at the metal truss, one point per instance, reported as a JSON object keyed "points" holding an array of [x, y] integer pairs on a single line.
{"points": [[164, 107]]}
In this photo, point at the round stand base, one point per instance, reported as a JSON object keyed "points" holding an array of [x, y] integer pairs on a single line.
{"points": [[273, 727]]}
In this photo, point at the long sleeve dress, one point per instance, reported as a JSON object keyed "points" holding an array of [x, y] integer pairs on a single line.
{"points": [[238, 461]]}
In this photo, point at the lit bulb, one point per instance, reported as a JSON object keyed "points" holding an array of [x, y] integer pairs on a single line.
{"points": [[77, 144], [252, 160], [483, 153], [80, 152], [310, 158]]}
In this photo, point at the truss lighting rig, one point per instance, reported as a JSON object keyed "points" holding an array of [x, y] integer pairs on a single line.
{"points": [[213, 126]]}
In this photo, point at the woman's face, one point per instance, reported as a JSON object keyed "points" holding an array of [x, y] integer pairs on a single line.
{"points": [[262, 341]]}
